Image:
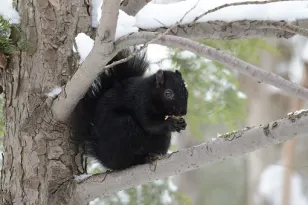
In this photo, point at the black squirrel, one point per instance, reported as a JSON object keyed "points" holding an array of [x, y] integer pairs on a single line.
{"points": [[125, 118]]}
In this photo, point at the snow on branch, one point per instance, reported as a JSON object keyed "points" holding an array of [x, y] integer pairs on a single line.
{"points": [[212, 19], [223, 147], [224, 58], [154, 16], [215, 20]]}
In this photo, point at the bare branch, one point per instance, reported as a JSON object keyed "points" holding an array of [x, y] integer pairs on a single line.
{"points": [[226, 146], [286, 27], [214, 54], [96, 60]]}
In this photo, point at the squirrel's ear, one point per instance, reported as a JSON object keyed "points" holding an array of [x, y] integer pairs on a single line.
{"points": [[159, 78], [178, 73]]}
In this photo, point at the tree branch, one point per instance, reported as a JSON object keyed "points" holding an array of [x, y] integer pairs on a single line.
{"points": [[220, 56], [96, 60], [229, 145], [284, 26], [236, 30]]}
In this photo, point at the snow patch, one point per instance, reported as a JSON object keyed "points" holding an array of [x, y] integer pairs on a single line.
{"points": [[82, 177], [171, 185], [139, 194], [271, 183], [165, 197], [298, 112], [55, 92], [125, 25], [124, 197], [187, 54], [8, 12], [84, 46], [97, 201], [158, 182], [241, 95], [272, 89], [96, 12], [158, 56], [95, 165], [85, 43]]}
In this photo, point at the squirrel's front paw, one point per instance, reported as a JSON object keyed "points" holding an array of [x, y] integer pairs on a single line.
{"points": [[177, 124]]}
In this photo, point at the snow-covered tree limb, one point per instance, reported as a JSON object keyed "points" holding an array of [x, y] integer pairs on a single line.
{"points": [[229, 145], [244, 15], [233, 4], [96, 60]]}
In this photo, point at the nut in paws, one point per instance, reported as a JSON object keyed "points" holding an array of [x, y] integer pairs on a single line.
{"points": [[178, 124]]}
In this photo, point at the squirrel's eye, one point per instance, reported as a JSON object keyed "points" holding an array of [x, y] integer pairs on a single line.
{"points": [[169, 94]]}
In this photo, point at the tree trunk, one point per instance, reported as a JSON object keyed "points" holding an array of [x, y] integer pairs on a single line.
{"points": [[265, 104], [189, 182], [38, 157]]}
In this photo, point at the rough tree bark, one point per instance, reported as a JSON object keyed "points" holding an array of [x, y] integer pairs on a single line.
{"points": [[38, 156]]}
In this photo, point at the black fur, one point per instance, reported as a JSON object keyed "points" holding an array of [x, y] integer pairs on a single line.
{"points": [[121, 119]]}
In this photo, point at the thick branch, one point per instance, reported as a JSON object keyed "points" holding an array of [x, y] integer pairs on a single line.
{"points": [[96, 60], [236, 30], [226, 146]]}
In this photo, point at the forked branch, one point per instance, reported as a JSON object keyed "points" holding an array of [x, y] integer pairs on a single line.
{"points": [[97, 59]]}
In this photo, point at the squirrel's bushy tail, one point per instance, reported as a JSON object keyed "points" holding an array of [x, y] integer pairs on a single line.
{"points": [[134, 67], [83, 115]]}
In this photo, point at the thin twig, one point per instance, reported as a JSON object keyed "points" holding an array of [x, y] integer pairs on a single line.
{"points": [[233, 4]]}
